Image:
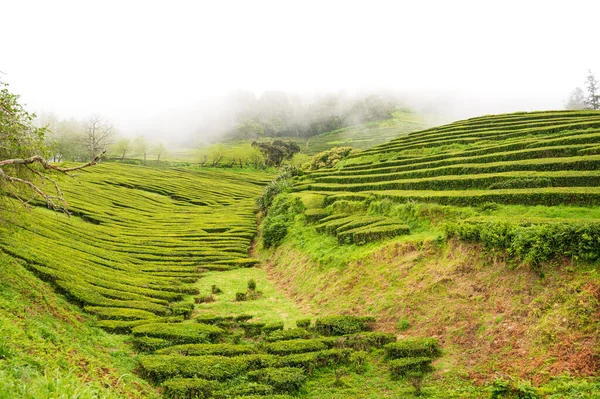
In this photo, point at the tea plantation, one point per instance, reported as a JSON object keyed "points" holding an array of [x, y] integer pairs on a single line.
{"points": [[476, 166], [164, 260]]}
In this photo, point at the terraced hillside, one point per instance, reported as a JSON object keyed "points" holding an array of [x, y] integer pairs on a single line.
{"points": [[540, 158], [368, 134], [138, 238], [134, 255]]}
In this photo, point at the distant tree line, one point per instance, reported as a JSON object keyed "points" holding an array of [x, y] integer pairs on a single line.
{"points": [[277, 114], [590, 99], [81, 140]]}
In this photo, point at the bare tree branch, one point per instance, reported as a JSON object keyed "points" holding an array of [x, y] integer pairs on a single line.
{"points": [[55, 202]]}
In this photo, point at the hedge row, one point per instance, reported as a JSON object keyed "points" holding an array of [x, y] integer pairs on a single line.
{"points": [[161, 367], [363, 235], [179, 333], [533, 242], [465, 158], [412, 347], [283, 380], [295, 346], [208, 349], [591, 163], [343, 325], [291, 333], [499, 149], [481, 181]]}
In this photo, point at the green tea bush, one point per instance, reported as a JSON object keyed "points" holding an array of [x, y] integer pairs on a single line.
{"points": [[412, 347], [243, 389], [272, 327], [402, 367], [283, 380], [303, 323], [208, 349], [366, 340], [295, 346], [533, 242], [185, 388], [342, 325], [179, 333], [283, 335], [159, 368]]}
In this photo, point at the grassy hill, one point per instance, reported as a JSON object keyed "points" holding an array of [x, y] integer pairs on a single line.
{"points": [[367, 135], [484, 233], [480, 236]]}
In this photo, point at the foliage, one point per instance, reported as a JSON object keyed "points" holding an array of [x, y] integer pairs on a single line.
{"points": [[340, 325], [281, 215], [330, 158], [530, 241], [502, 388], [276, 151]]}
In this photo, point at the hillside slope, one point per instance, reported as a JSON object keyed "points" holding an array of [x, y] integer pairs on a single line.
{"points": [[484, 233]]}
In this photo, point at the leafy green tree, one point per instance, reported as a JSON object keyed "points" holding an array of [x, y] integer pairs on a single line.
{"points": [[159, 149], [122, 147], [276, 151], [24, 170], [142, 147]]}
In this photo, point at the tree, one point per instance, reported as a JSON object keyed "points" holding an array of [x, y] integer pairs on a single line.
{"points": [[24, 172], [593, 99], [141, 146], [159, 150], [576, 100], [277, 151], [98, 134], [122, 147]]}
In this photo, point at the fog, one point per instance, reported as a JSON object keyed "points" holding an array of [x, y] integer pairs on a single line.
{"points": [[170, 69]]}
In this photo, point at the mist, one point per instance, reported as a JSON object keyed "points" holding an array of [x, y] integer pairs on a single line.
{"points": [[172, 71]]}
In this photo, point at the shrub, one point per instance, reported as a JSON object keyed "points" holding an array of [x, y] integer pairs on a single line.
{"points": [[400, 368], [330, 158], [179, 333], [208, 349], [412, 347], [272, 327], [161, 367], [215, 290], [341, 325], [244, 389], [295, 346], [184, 388], [283, 335], [512, 390], [149, 344], [251, 285], [365, 341], [253, 329], [358, 361], [274, 231], [303, 323], [204, 299], [240, 296], [285, 379]]}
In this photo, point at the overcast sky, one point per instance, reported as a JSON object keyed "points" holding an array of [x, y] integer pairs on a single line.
{"points": [[142, 63]]}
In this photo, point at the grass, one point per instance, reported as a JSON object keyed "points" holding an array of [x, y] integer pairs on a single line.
{"points": [[271, 307], [50, 349]]}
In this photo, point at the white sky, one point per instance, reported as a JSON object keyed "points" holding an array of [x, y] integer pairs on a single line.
{"points": [[144, 62]]}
